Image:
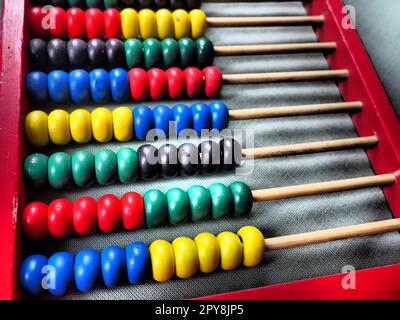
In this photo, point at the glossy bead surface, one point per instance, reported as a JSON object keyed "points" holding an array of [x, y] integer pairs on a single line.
{"points": [[162, 260], [58, 25], [35, 18], [147, 24], [86, 269], [115, 53], [59, 218], [157, 83], [170, 53], [143, 121], [137, 261], [84, 216], [168, 160], [30, 273], [194, 82], [162, 117], [112, 23], [94, 23], [231, 153], [182, 117], [152, 53], [128, 165], [156, 208], [59, 170], [35, 170], [176, 82], [148, 162], [221, 201], [130, 23], [83, 171], [181, 21], [80, 126], [106, 167], [112, 265], [242, 198], [186, 257], [109, 213], [253, 246], [231, 250], [123, 124], [76, 23], [119, 83], [210, 157], [189, 159], [198, 20], [208, 251], [132, 210], [34, 221], [36, 128], [36, 87], [59, 127], [97, 53], [219, 115], [205, 52], [213, 82], [133, 53], [187, 49], [99, 85], [200, 203], [77, 53], [102, 126], [57, 54], [139, 84], [38, 53], [61, 272], [165, 24], [201, 116], [58, 86], [178, 206], [79, 86]]}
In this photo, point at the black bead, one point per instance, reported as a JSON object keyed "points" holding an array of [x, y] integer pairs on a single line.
{"points": [[148, 162], [189, 159], [144, 4], [231, 153], [37, 52], [77, 53], [158, 4], [115, 53], [192, 4], [128, 3], [97, 53], [210, 157], [176, 4], [57, 54], [168, 159]]}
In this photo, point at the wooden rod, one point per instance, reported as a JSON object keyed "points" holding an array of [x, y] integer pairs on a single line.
{"points": [[361, 230], [322, 187], [301, 148], [264, 21], [274, 48], [285, 76], [258, 113]]}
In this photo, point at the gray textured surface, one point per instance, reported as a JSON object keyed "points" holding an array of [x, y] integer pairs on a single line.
{"points": [[274, 218]]}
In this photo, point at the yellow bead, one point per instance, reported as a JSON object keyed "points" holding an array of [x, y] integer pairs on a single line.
{"points": [[102, 126], [81, 126], [231, 250], [129, 23], [253, 245], [165, 24], [186, 258], [123, 124], [59, 130], [36, 129], [198, 21], [181, 20], [208, 252], [162, 260], [147, 24]]}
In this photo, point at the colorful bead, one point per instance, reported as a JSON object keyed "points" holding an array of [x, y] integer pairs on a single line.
{"points": [[221, 200], [132, 211], [81, 126], [79, 86], [105, 167], [147, 24], [200, 203], [137, 260], [210, 157], [109, 213], [182, 117], [220, 115], [123, 124], [36, 128], [58, 86], [187, 49], [253, 246], [59, 218], [30, 273], [37, 87], [231, 153], [34, 221], [162, 116], [208, 251], [111, 4], [205, 52], [57, 53], [231, 250], [178, 206], [152, 52], [213, 82], [168, 160], [143, 120], [94, 23], [84, 216], [76, 23], [186, 257], [58, 126], [189, 159], [157, 83], [77, 53], [148, 162], [165, 25], [97, 53], [99, 85], [201, 116], [170, 52], [59, 22], [35, 170], [162, 260], [102, 126], [38, 53], [133, 53], [242, 198], [112, 265], [112, 22], [181, 21], [87, 269], [83, 168], [155, 208], [198, 20], [115, 53], [60, 273], [119, 83], [139, 84], [130, 23], [59, 170], [35, 19], [176, 82], [128, 165], [194, 82]]}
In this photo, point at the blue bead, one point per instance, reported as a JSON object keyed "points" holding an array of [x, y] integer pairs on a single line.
{"points": [[36, 87], [182, 117], [219, 115], [30, 273], [79, 86], [87, 269], [201, 114], [58, 84], [100, 85], [119, 83], [137, 257], [112, 265], [162, 116], [143, 119], [60, 273]]}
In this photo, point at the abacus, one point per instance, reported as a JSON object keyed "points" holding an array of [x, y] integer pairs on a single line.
{"points": [[121, 128]]}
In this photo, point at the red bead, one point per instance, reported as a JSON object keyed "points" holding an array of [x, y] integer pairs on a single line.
{"points": [[157, 83], [132, 209], [94, 23], [76, 23], [35, 19], [58, 22], [194, 82], [84, 215], [176, 83], [213, 79], [59, 218], [109, 213], [112, 23], [34, 221], [139, 83]]}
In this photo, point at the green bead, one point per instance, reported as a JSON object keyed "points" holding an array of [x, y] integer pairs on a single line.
{"points": [[178, 206], [35, 170], [133, 53], [111, 4], [128, 165], [170, 52], [155, 208], [242, 198], [106, 167], [93, 3], [205, 52], [83, 168], [187, 49], [221, 200], [59, 170], [200, 203], [152, 53], [76, 3]]}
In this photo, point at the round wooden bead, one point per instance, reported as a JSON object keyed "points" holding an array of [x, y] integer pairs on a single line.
{"points": [[58, 86], [178, 206], [83, 170], [208, 251], [165, 24], [59, 170], [147, 24], [137, 260], [187, 49], [57, 54], [59, 129], [97, 53], [109, 213], [123, 124], [176, 82], [58, 23], [36, 87], [115, 53], [162, 260], [112, 265], [201, 116], [231, 250], [231, 153], [155, 208], [79, 86], [181, 21], [76, 23], [253, 246], [194, 82], [80, 125], [100, 85], [59, 218], [38, 53], [205, 52], [130, 23], [106, 167], [213, 82], [219, 115], [200, 203], [94, 23], [133, 53], [221, 200], [170, 53], [128, 165], [189, 159], [132, 210], [36, 128], [77, 53], [119, 83], [61, 276], [34, 221], [182, 117], [35, 18], [35, 170], [162, 117], [102, 126], [152, 53], [30, 273], [157, 83], [148, 162], [186, 257], [210, 157], [143, 121], [112, 23], [139, 84], [87, 266], [198, 21], [168, 159], [84, 216], [242, 198]]}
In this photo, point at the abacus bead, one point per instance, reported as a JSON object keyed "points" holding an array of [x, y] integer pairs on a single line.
{"points": [[119, 83], [83, 168], [162, 260], [97, 53], [59, 129], [133, 53], [115, 53], [221, 201], [77, 53], [122, 124], [194, 82], [155, 208], [35, 170], [242, 198], [137, 259], [112, 23], [76, 3], [112, 265], [231, 153], [106, 167], [160, 3], [170, 52], [59, 218], [192, 4], [220, 115], [59, 170], [93, 3], [187, 49], [38, 53], [200, 203], [152, 53], [139, 84], [34, 221], [158, 84], [213, 81], [36, 128], [231, 250], [178, 206], [165, 25], [57, 54], [176, 4], [132, 211], [79, 86], [94, 23], [198, 20], [147, 24], [181, 21], [168, 159], [102, 126], [186, 257], [253, 246], [109, 213], [36, 87], [84, 216], [76, 23], [61, 272], [162, 116], [86, 269], [80, 126], [144, 121], [148, 162], [201, 115], [205, 52], [208, 252], [128, 165], [182, 117], [130, 23], [176, 83], [58, 86], [111, 4], [58, 28], [100, 85], [210, 157], [189, 159], [30, 273], [35, 18]]}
